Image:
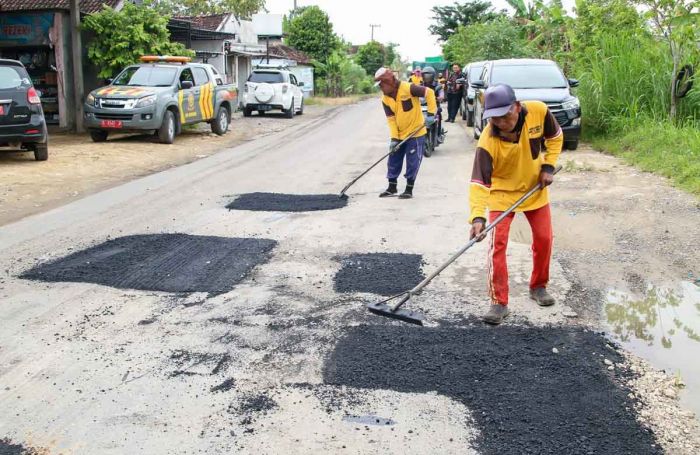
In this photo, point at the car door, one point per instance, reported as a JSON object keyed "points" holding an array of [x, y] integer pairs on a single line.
{"points": [[188, 98], [205, 87], [296, 91]]}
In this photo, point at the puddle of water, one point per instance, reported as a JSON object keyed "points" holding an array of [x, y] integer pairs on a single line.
{"points": [[368, 420], [661, 325]]}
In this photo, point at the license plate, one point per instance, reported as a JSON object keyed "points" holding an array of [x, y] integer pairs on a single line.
{"points": [[264, 107], [111, 124]]}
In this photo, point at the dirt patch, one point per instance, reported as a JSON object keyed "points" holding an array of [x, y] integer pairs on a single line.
{"points": [[278, 202], [524, 385], [225, 386], [161, 262], [379, 273]]}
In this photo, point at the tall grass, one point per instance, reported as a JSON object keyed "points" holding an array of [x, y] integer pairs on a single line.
{"points": [[625, 80]]}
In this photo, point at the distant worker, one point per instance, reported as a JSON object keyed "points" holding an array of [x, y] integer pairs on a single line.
{"points": [[454, 93], [517, 149], [402, 106], [416, 77], [430, 81]]}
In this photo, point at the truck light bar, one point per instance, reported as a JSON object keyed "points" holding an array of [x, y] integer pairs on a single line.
{"points": [[165, 58]]}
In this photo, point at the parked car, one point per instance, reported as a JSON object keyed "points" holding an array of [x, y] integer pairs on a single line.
{"points": [[272, 88], [472, 71], [533, 79], [160, 95], [22, 123]]}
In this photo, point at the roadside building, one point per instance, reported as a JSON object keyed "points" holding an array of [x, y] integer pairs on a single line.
{"points": [[37, 33]]}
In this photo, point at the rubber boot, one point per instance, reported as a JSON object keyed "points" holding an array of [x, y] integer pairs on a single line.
{"points": [[408, 192], [391, 190]]}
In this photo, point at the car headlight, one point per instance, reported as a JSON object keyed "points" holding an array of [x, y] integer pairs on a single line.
{"points": [[90, 100], [146, 101], [571, 104]]}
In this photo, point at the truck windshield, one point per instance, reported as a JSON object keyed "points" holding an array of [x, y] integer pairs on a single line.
{"points": [[147, 76], [265, 76], [528, 76]]}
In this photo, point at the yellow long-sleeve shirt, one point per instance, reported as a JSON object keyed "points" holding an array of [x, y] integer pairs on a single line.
{"points": [[404, 113], [503, 171], [414, 79]]}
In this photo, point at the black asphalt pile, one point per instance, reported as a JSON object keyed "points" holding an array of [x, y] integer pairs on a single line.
{"points": [[523, 396], [7, 447], [379, 273], [161, 262], [279, 202]]}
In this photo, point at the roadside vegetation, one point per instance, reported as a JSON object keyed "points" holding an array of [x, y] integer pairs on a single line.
{"points": [[627, 55]]}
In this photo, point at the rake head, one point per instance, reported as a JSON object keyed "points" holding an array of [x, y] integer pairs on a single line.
{"points": [[382, 309]]}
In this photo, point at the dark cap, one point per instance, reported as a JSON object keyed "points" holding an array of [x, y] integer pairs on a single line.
{"points": [[498, 100]]}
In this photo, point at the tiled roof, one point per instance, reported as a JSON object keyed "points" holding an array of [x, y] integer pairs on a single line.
{"points": [[86, 6], [290, 53], [212, 22]]}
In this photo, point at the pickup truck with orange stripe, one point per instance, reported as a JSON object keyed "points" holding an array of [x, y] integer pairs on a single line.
{"points": [[160, 95]]}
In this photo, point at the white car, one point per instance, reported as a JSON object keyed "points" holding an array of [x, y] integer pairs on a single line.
{"points": [[270, 89]]}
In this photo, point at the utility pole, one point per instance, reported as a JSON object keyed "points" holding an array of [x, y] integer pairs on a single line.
{"points": [[77, 48], [373, 26]]}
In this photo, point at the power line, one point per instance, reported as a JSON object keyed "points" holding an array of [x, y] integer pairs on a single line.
{"points": [[373, 26]]}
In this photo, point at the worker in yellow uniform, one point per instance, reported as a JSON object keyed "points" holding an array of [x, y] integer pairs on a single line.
{"points": [[517, 149], [417, 77], [402, 106]]}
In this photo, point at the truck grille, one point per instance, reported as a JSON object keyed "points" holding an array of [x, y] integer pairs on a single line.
{"points": [[113, 103], [113, 116], [561, 117]]}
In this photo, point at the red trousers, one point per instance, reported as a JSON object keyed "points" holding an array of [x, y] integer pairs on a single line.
{"points": [[541, 224]]}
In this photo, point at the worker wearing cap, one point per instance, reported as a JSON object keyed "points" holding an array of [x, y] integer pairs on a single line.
{"points": [[517, 150], [402, 106], [417, 77]]}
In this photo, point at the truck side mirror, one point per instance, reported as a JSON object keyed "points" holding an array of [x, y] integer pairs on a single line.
{"points": [[300, 84], [461, 80], [478, 84], [573, 82], [110, 80], [186, 85]]}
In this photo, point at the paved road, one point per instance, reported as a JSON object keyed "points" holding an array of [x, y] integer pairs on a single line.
{"points": [[113, 362]]}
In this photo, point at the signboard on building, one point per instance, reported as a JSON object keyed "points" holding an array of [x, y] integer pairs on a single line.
{"points": [[25, 29]]}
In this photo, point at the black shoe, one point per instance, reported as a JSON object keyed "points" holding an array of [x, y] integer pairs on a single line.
{"points": [[406, 195], [391, 190], [497, 313], [408, 192], [542, 297]]}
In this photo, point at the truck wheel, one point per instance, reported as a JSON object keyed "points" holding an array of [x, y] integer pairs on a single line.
{"points": [[220, 124], [166, 132], [470, 118], [301, 108], [41, 152], [98, 135], [571, 145], [247, 112], [465, 111], [289, 113]]}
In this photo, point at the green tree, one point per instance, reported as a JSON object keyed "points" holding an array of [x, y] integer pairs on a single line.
{"points": [[371, 56], [242, 9], [121, 37], [500, 38], [447, 19], [311, 31]]}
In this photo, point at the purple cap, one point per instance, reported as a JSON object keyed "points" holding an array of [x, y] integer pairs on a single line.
{"points": [[498, 99]]}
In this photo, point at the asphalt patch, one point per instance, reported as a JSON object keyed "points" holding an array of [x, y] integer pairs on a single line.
{"points": [[279, 202], [225, 386], [7, 447], [523, 397], [198, 363], [161, 262], [379, 273]]}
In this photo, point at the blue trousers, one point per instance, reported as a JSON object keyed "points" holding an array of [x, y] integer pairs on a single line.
{"points": [[412, 150]]}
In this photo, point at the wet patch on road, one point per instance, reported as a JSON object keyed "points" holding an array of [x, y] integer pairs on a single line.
{"points": [[379, 273], [161, 262], [279, 202], [524, 396]]}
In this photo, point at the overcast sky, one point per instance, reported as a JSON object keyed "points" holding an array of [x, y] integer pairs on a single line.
{"points": [[402, 21]]}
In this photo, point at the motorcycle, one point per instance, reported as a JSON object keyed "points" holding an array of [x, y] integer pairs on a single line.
{"points": [[434, 137]]}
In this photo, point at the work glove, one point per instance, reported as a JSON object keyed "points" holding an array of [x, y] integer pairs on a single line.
{"points": [[393, 144], [429, 120]]}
